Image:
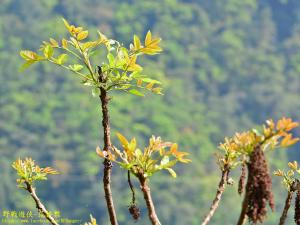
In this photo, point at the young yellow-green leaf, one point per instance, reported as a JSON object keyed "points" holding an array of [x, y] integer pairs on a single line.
{"points": [[157, 90], [293, 165], [136, 92], [137, 42], [95, 92], [53, 43], [172, 172], [139, 82], [100, 152], [62, 59], [111, 59], [26, 65], [149, 80], [76, 67], [148, 38], [82, 35], [66, 23], [89, 44], [74, 42], [149, 86], [102, 39], [151, 45], [64, 43], [278, 173], [48, 51], [132, 66], [123, 140], [29, 55]]}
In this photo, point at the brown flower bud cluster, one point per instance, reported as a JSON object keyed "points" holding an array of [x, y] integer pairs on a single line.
{"points": [[259, 187]]}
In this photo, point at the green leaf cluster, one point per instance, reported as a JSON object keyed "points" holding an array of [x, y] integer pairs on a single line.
{"points": [[120, 70], [29, 172], [158, 155], [290, 177], [236, 149]]}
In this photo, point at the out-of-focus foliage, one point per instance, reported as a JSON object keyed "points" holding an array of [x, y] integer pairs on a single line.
{"points": [[227, 66], [155, 156]]}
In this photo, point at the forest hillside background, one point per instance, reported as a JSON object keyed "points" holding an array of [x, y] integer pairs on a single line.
{"points": [[227, 66]]}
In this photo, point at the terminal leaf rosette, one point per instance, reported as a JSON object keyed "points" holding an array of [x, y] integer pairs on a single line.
{"points": [[29, 172], [158, 155]]}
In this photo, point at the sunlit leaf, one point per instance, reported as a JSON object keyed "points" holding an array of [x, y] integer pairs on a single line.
{"points": [[62, 59], [88, 45], [64, 43], [67, 25], [100, 152], [149, 86], [26, 65], [136, 92], [82, 35], [172, 172], [29, 55], [157, 90], [53, 43], [95, 92], [137, 42], [148, 38], [288, 141], [111, 59], [293, 165], [48, 51], [149, 80], [76, 67], [123, 140]]}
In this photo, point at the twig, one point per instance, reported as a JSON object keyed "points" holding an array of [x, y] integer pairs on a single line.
{"points": [[133, 208], [39, 205], [149, 202], [217, 199], [286, 207], [131, 187], [243, 215], [107, 145]]}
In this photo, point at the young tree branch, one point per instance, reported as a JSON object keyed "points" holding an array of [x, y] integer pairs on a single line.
{"points": [[39, 205], [286, 207], [131, 187], [243, 215], [149, 202], [217, 199], [107, 145]]}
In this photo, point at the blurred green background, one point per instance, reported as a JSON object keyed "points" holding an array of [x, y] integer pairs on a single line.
{"points": [[227, 65]]}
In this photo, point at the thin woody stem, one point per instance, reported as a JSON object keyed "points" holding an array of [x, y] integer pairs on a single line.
{"points": [[243, 215], [287, 205], [149, 202], [39, 205], [131, 187], [217, 199], [107, 146]]}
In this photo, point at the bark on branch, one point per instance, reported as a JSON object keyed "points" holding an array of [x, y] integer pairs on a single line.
{"points": [[286, 207], [217, 199], [243, 215], [149, 202], [107, 146], [39, 205]]}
